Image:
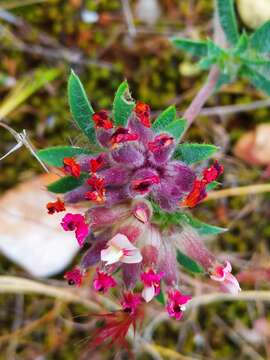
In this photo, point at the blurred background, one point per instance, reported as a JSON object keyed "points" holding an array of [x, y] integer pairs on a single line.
{"points": [[106, 41]]}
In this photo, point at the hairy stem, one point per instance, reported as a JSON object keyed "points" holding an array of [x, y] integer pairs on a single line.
{"points": [[200, 99]]}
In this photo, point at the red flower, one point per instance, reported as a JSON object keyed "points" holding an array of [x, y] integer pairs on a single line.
{"points": [[74, 277], [197, 194], [213, 172], [56, 206], [130, 302], [161, 141], [103, 281], [122, 135], [97, 163], [102, 120], [142, 111], [72, 167], [76, 222], [176, 303], [144, 185], [98, 193]]}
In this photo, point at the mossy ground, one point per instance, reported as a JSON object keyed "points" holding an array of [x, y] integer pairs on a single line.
{"points": [[155, 73]]}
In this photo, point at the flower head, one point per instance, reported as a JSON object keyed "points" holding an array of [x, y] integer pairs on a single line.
{"points": [[76, 222], [74, 277], [103, 281], [176, 303], [119, 248], [151, 281], [222, 274], [55, 206], [102, 120], [72, 167]]}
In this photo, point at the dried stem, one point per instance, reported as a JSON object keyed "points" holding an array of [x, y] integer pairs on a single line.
{"points": [[17, 285], [239, 191]]}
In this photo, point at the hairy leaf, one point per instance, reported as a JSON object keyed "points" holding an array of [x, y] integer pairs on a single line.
{"points": [[258, 80], [55, 155], [67, 183], [164, 119], [123, 105], [80, 107], [228, 20], [176, 128], [193, 47], [260, 40], [192, 153], [201, 227], [188, 263]]}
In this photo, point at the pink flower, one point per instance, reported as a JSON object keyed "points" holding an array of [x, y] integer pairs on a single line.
{"points": [[223, 275], [176, 303], [130, 302], [151, 281], [120, 249], [74, 277], [103, 281], [71, 222]]}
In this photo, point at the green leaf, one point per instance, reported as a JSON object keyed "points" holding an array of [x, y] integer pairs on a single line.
{"points": [[55, 155], [123, 105], [259, 65], [212, 185], [192, 153], [258, 80], [242, 44], [67, 183], [188, 263], [193, 47], [164, 119], [260, 40], [80, 107], [201, 227], [228, 20], [160, 298], [176, 128]]}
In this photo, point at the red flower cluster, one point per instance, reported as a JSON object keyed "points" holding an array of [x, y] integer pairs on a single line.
{"points": [[72, 167], [55, 206], [102, 120], [122, 135], [142, 110], [198, 192], [97, 163], [98, 193]]}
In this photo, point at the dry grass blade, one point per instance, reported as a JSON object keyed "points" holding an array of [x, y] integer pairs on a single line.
{"points": [[239, 191], [12, 4], [25, 87]]}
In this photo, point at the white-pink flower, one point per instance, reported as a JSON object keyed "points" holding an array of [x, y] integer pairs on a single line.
{"points": [[120, 249], [222, 274]]}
